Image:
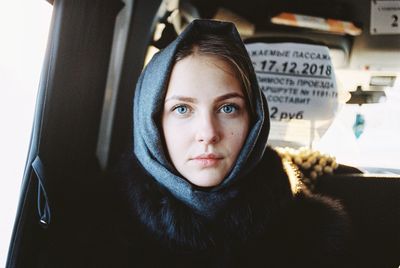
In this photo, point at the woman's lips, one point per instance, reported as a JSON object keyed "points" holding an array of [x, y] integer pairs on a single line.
{"points": [[207, 160]]}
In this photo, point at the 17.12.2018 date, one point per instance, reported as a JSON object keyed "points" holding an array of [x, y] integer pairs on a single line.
{"points": [[310, 69]]}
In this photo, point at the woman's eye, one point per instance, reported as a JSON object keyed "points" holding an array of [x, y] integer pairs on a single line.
{"points": [[229, 108], [181, 109]]}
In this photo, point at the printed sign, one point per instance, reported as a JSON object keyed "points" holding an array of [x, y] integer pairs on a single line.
{"points": [[299, 83], [385, 17], [297, 79]]}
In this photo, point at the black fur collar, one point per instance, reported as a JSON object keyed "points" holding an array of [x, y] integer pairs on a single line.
{"points": [[262, 194], [264, 210]]}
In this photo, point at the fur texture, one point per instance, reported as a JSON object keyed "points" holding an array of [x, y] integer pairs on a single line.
{"points": [[264, 226]]}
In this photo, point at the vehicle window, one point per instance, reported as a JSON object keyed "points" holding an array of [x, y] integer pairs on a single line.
{"points": [[24, 27], [374, 147]]}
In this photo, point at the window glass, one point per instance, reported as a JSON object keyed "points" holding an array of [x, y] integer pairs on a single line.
{"points": [[377, 149]]}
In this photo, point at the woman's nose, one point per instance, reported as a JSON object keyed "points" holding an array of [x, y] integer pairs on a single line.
{"points": [[207, 130]]}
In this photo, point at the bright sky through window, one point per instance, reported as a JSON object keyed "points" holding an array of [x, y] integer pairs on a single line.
{"points": [[379, 145]]}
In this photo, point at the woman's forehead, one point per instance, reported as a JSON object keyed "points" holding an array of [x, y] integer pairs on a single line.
{"points": [[199, 75]]}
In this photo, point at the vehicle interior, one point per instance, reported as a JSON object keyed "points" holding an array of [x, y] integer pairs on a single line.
{"points": [[95, 53]]}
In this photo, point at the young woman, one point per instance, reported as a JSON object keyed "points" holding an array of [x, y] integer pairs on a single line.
{"points": [[202, 189]]}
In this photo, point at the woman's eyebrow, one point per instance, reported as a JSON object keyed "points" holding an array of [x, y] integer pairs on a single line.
{"points": [[193, 100], [181, 98], [229, 96]]}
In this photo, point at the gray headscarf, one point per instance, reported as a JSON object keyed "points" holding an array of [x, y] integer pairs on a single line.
{"points": [[148, 142]]}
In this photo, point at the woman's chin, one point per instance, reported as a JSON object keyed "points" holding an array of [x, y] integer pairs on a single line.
{"points": [[206, 179]]}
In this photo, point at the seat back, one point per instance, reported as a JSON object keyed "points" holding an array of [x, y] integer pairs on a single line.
{"points": [[373, 203]]}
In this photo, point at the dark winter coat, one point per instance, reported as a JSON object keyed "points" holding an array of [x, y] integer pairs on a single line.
{"points": [[264, 226]]}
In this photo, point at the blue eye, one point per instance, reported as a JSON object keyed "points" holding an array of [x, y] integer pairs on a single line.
{"points": [[181, 109], [229, 108]]}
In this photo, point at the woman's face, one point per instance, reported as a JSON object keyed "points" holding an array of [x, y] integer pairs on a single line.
{"points": [[205, 119]]}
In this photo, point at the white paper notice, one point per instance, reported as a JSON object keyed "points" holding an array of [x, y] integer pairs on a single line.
{"points": [[297, 79], [299, 83]]}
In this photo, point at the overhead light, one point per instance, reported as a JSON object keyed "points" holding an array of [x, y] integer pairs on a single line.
{"points": [[316, 23]]}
